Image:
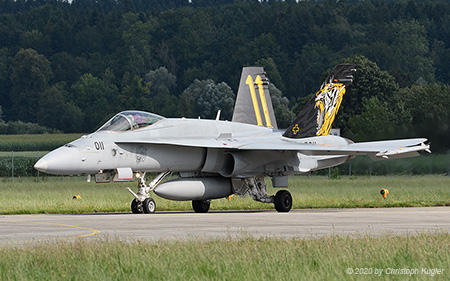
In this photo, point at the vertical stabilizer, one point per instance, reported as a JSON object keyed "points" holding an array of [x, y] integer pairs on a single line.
{"points": [[318, 115], [253, 102]]}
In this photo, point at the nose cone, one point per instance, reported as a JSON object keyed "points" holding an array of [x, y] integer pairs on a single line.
{"points": [[41, 165], [62, 161]]}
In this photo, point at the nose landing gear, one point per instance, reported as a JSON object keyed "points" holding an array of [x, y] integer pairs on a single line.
{"points": [[142, 202]]}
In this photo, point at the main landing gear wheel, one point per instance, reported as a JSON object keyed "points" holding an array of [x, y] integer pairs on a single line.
{"points": [[283, 201], [137, 207], [149, 206], [201, 206]]}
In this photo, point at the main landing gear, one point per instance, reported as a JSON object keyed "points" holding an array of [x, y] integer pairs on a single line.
{"points": [[283, 201], [201, 206], [256, 188], [142, 203]]}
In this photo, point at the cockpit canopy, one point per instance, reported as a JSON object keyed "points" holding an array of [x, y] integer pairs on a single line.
{"points": [[130, 120]]}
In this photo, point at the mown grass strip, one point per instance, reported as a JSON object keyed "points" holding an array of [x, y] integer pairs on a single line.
{"points": [[54, 195], [245, 257]]}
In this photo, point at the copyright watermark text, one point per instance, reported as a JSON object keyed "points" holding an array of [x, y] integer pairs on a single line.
{"points": [[394, 271]]}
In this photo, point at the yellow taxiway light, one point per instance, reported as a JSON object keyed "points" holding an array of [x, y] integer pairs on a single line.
{"points": [[384, 192]]}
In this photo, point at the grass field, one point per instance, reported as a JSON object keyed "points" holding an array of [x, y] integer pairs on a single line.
{"points": [[414, 256], [35, 142], [424, 256], [36, 154], [54, 194]]}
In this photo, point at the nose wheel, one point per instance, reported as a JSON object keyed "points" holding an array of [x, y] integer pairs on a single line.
{"points": [[136, 207], [142, 203], [149, 206]]}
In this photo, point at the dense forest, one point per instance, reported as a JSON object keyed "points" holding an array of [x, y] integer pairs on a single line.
{"points": [[71, 65]]}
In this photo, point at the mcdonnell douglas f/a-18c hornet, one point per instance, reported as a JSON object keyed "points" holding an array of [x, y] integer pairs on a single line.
{"points": [[215, 159]]}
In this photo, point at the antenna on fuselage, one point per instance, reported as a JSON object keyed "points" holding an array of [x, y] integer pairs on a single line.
{"points": [[218, 114]]}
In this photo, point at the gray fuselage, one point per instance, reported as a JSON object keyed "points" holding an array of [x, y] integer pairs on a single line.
{"points": [[186, 145]]}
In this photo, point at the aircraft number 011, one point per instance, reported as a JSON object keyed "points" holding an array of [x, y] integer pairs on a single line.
{"points": [[99, 145]]}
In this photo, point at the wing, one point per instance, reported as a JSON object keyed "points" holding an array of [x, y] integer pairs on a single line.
{"points": [[377, 150]]}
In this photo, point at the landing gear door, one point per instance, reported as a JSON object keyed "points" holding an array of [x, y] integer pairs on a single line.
{"points": [[123, 175], [103, 178]]}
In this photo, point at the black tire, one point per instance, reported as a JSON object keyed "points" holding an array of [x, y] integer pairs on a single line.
{"points": [[149, 206], [201, 206], [136, 207], [283, 201]]}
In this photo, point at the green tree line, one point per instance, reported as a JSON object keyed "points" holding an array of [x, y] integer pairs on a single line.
{"points": [[71, 65]]}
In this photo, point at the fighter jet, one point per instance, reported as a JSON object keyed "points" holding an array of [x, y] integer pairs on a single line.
{"points": [[215, 159]]}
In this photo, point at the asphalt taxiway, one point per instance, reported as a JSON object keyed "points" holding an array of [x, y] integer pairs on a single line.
{"points": [[221, 224]]}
